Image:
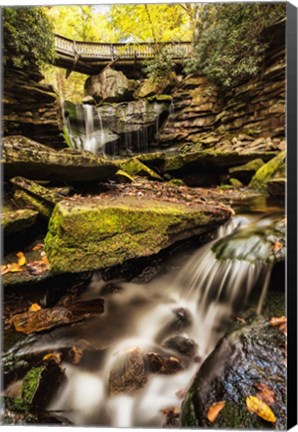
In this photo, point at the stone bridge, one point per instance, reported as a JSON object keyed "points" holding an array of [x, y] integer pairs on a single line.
{"points": [[91, 57]]}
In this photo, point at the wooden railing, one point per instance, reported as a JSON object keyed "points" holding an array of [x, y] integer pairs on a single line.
{"points": [[129, 51]]}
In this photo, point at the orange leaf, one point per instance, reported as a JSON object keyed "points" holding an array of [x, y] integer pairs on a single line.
{"points": [[38, 246], [53, 356], [276, 321], [214, 410], [277, 246], [260, 408], [22, 259], [34, 307], [266, 394], [45, 260]]}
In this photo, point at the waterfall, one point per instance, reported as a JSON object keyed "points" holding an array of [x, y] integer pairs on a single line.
{"points": [[195, 304]]}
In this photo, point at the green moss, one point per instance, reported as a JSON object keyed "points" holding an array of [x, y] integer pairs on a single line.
{"points": [[16, 404], [236, 183], [66, 137], [188, 416], [177, 182], [134, 167], [30, 384], [99, 234], [253, 165], [273, 169], [24, 198], [123, 177]]}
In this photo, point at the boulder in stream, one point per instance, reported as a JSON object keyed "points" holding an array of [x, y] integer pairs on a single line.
{"points": [[243, 363], [105, 230]]}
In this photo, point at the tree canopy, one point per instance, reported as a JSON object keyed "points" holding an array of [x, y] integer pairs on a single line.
{"points": [[229, 46]]}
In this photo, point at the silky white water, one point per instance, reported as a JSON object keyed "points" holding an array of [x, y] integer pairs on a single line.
{"points": [[196, 302]]}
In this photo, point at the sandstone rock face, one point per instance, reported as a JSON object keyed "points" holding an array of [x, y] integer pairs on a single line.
{"points": [[109, 86], [98, 232], [255, 109], [31, 108]]}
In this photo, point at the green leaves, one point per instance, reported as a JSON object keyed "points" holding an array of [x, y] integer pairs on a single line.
{"points": [[230, 46], [27, 36]]}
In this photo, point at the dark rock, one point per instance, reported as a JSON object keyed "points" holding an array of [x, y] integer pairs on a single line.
{"points": [[182, 345], [240, 361], [277, 187], [244, 173]]}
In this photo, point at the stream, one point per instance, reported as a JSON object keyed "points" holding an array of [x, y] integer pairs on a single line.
{"points": [[152, 337]]}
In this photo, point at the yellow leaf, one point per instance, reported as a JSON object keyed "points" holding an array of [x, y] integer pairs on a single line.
{"points": [[14, 268], [22, 259], [53, 356], [214, 410], [34, 307], [260, 408]]}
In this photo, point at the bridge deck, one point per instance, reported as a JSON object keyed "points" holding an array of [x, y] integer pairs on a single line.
{"points": [[88, 57]]}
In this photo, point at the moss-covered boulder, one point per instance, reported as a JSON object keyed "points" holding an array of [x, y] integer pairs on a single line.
{"points": [[135, 167], [13, 221], [245, 172], [157, 85], [93, 233], [275, 168], [250, 357], [185, 163], [23, 157], [37, 197]]}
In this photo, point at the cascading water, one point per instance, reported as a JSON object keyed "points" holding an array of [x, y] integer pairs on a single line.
{"points": [[114, 129], [194, 305]]}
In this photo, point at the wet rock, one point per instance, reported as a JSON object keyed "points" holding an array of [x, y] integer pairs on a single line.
{"points": [[24, 157], [275, 168], [101, 232], [155, 362], [254, 243], [171, 366], [129, 374], [277, 187], [14, 221], [10, 415], [88, 100], [45, 319], [162, 364], [182, 345], [41, 384], [239, 363]]}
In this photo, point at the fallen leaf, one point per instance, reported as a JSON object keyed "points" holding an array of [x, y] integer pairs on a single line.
{"points": [[266, 394], [277, 246], [38, 247], [34, 307], [214, 410], [14, 268], [283, 328], [45, 260], [276, 321], [4, 269], [22, 259], [260, 408], [53, 356]]}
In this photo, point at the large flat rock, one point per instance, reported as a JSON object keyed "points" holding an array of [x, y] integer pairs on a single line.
{"points": [[102, 231], [24, 157]]}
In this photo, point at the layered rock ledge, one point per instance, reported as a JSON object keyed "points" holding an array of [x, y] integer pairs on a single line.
{"points": [[92, 233]]}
